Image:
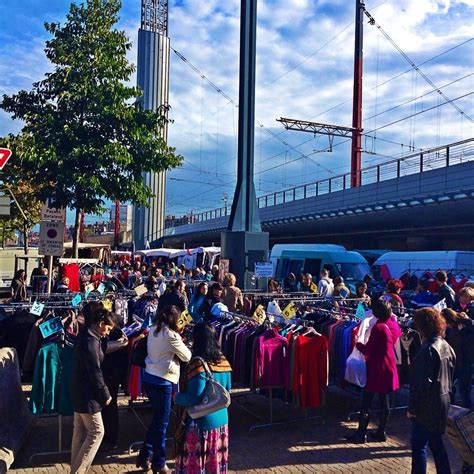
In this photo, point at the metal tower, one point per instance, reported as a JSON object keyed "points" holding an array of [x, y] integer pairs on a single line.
{"points": [[153, 80]]}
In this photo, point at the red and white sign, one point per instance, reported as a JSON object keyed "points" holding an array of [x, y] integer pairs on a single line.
{"points": [[51, 241], [5, 154]]}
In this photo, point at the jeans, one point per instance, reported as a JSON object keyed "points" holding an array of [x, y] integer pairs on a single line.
{"points": [[463, 375], [155, 445], [86, 439], [420, 438]]}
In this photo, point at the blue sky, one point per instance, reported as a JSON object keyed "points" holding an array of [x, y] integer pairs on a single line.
{"points": [[304, 59]]}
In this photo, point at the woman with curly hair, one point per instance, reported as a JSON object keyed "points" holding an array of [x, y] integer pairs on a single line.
{"points": [[430, 387]]}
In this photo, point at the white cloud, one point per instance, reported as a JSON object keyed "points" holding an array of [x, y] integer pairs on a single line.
{"points": [[299, 77]]}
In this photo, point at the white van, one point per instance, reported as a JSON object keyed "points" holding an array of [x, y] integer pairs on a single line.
{"points": [[395, 264]]}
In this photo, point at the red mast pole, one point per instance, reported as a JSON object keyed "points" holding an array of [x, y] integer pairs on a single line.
{"points": [[356, 152]]}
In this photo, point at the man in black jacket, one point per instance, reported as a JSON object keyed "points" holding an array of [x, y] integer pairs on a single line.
{"points": [[89, 391], [444, 290], [175, 297], [430, 387]]}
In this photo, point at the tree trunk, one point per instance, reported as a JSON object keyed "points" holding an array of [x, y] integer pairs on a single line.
{"points": [[75, 236], [25, 239]]}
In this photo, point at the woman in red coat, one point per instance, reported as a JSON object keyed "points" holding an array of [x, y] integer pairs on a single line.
{"points": [[382, 376]]}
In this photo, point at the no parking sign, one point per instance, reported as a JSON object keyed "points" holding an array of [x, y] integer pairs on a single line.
{"points": [[51, 238]]}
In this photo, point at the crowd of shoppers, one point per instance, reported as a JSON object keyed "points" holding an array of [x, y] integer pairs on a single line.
{"points": [[441, 371]]}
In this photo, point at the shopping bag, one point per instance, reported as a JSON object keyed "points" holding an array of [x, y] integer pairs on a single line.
{"points": [[356, 369], [460, 432]]}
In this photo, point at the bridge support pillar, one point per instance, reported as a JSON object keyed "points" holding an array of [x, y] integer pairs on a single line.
{"points": [[244, 249], [244, 243]]}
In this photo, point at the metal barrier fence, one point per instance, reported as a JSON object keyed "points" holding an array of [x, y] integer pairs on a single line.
{"points": [[434, 158]]}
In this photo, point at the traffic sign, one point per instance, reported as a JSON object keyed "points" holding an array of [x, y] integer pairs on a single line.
{"points": [[5, 155], [50, 213], [264, 269], [51, 241]]}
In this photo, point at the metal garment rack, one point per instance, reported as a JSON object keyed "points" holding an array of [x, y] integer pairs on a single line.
{"points": [[60, 450], [268, 422]]}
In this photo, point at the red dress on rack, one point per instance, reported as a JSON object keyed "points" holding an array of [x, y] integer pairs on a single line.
{"points": [[71, 271], [310, 377]]}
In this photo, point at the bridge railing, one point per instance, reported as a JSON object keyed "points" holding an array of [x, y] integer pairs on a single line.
{"points": [[431, 159]]}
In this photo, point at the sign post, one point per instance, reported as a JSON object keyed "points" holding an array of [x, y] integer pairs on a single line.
{"points": [[51, 242], [263, 271]]}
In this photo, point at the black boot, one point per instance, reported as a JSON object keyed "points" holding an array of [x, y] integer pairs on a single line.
{"points": [[360, 436], [380, 434], [143, 463]]}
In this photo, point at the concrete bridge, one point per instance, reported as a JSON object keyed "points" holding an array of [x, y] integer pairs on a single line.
{"points": [[421, 201]]}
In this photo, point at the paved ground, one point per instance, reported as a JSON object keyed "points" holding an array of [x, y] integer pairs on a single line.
{"points": [[297, 447]]}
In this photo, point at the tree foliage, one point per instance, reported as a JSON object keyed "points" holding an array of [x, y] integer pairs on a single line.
{"points": [[26, 189], [91, 142]]}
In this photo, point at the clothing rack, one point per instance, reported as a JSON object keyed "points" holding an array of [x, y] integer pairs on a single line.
{"points": [[268, 422], [60, 450]]}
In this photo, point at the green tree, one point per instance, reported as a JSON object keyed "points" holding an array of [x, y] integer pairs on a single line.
{"points": [[18, 181], [91, 142]]}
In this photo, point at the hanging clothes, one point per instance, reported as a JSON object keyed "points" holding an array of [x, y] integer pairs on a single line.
{"points": [[310, 377], [272, 361], [72, 271], [50, 392]]}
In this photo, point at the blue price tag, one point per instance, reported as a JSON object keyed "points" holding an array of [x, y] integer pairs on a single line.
{"points": [[76, 300], [360, 311], [101, 288], [50, 327], [37, 308], [86, 294]]}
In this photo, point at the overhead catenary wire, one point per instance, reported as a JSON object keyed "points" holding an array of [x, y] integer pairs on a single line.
{"points": [[274, 135], [393, 78], [277, 135], [414, 66]]}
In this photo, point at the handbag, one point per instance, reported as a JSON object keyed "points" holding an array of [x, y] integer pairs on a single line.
{"points": [[215, 396], [140, 352]]}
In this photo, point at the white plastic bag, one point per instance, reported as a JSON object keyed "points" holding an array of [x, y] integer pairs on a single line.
{"points": [[356, 369], [274, 308]]}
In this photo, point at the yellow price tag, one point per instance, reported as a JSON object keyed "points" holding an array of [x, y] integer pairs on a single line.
{"points": [[184, 319], [259, 314], [107, 304], [140, 290], [289, 311], [314, 287]]}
